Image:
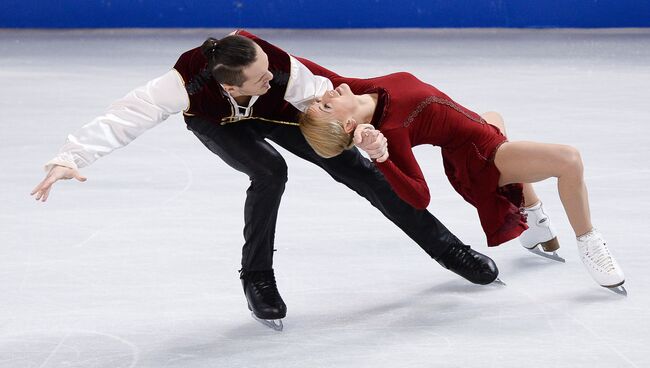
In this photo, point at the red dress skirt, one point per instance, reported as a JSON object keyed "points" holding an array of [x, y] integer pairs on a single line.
{"points": [[471, 171]]}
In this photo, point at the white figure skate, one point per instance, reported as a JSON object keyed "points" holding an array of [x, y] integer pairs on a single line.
{"points": [[600, 263], [540, 234]]}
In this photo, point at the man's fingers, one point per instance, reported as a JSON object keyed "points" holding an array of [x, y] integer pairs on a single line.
{"points": [[41, 185], [381, 151], [372, 141], [46, 194], [36, 188], [360, 131], [365, 127], [48, 182], [42, 190], [357, 137], [379, 144], [41, 193], [368, 139]]}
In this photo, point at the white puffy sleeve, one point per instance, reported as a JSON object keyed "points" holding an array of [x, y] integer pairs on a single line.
{"points": [[124, 120], [303, 85]]}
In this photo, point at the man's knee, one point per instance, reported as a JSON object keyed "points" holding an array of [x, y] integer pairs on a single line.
{"points": [[271, 171]]}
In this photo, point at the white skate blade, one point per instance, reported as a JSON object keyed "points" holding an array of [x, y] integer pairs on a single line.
{"points": [[620, 290], [275, 324], [552, 256], [498, 281]]}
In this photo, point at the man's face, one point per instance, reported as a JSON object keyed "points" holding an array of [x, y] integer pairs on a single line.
{"points": [[257, 76]]}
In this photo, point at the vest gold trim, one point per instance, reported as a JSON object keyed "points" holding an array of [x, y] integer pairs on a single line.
{"points": [[235, 119]]}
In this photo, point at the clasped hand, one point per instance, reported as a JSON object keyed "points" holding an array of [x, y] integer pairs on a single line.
{"points": [[372, 141]]}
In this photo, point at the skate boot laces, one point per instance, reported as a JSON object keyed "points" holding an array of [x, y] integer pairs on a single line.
{"points": [[265, 284], [599, 255], [461, 257], [595, 249]]}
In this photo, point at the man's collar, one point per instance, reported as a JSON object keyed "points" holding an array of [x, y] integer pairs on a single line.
{"points": [[241, 111]]}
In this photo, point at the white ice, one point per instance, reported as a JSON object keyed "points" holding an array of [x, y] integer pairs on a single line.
{"points": [[137, 267]]}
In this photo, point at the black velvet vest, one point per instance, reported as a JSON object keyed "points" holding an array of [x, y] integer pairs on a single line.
{"points": [[209, 100]]}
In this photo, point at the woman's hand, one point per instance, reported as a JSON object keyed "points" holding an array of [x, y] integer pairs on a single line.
{"points": [[42, 190], [372, 141]]}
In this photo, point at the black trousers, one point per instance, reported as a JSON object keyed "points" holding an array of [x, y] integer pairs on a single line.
{"points": [[242, 145]]}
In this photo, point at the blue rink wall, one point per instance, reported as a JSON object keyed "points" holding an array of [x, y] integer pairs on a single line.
{"points": [[324, 14]]}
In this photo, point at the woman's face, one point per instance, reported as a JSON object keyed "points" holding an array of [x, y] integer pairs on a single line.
{"points": [[339, 104]]}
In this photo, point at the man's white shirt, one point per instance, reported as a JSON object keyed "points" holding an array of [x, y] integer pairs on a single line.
{"points": [[147, 106]]}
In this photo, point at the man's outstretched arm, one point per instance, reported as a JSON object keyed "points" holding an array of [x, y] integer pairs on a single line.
{"points": [[126, 119]]}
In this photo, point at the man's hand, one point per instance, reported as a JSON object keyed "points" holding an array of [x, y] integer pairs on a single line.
{"points": [[372, 141], [42, 190]]}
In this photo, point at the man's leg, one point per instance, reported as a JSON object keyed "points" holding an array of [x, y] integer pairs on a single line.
{"points": [[360, 175], [245, 150]]}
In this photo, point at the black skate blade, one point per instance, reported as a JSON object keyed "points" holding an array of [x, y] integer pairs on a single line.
{"points": [[275, 324], [552, 256], [498, 281], [620, 290]]}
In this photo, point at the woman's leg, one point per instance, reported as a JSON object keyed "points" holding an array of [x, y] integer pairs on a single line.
{"points": [[540, 229], [530, 162], [494, 118]]}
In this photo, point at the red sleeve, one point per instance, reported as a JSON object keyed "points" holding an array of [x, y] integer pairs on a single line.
{"points": [[403, 172], [245, 33]]}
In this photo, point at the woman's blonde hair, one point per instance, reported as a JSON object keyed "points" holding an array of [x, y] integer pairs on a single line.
{"points": [[325, 135]]}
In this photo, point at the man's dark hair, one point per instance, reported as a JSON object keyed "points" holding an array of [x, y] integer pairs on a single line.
{"points": [[228, 57]]}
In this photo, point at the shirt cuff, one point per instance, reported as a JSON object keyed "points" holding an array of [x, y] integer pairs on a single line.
{"points": [[61, 161]]}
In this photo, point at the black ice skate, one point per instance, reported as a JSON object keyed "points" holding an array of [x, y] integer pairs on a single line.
{"points": [[470, 264], [264, 300]]}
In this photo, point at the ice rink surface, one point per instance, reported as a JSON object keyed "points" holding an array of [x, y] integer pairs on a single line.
{"points": [[137, 267]]}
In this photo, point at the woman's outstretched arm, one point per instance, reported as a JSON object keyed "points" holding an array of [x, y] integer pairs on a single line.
{"points": [[403, 172]]}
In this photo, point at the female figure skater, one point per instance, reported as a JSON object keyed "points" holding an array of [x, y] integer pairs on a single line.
{"points": [[480, 163]]}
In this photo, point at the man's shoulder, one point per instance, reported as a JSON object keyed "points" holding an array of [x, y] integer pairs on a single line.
{"points": [[192, 54]]}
